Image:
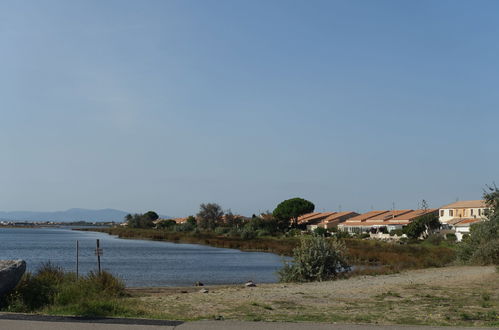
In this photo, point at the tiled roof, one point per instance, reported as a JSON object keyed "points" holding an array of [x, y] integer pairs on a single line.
{"points": [[389, 215], [314, 217], [338, 215], [365, 216], [306, 216], [467, 222], [415, 214], [465, 204], [385, 218]]}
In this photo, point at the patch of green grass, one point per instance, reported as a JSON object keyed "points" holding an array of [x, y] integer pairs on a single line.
{"points": [[264, 306], [53, 291], [388, 294], [286, 304]]}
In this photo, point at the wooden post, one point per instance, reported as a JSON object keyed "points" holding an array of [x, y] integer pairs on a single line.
{"points": [[77, 257], [98, 254]]}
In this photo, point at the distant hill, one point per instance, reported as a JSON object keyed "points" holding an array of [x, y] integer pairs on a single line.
{"points": [[66, 216]]}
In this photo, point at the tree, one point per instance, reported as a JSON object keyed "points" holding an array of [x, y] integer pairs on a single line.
{"points": [[482, 245], [288, 211], [151, 215], [316, 259], [233, 220], [422, 226], [191, 221], [141, 220], [209, 216]]}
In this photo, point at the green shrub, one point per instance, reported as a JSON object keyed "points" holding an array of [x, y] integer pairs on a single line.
{"points": [[435, 239], [234, 232], [52, 289], [482, 245], [319, 231], [342, 234], [221, 230], [263, 233], [316, 259], [293, 233], [36, 290], [451, 237], [248, 234], [396, 232]]}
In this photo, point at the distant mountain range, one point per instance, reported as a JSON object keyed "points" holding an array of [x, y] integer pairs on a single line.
{"points": [[67, 216]]}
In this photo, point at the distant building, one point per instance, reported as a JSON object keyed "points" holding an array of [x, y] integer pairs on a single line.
{"points": [[394, 219], [326, 220], [462, 210], [460, 215]]}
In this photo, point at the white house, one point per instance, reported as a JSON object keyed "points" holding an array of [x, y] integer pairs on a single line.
{"points": [[459, 216], [462, 210]]}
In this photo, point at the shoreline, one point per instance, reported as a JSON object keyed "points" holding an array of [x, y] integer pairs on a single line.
{"points": [[279, 246]]}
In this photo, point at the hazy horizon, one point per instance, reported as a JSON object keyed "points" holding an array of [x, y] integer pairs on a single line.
{"points": [[164, 105]]}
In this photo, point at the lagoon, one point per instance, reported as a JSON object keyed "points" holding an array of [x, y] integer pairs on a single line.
{"points": [[139, 263]]}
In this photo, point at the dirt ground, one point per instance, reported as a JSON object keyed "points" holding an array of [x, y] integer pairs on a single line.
{"points": [[437, 296]]}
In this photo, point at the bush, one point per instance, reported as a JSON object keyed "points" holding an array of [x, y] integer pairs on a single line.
{"points": [[451, 237], [221, 230], [342, 234], [435, 239], [319, 231], [51, 288], [248, 234], [482, 245], [262, 233], [397, 232], [316, 259], [293, 233], [36, 290]]}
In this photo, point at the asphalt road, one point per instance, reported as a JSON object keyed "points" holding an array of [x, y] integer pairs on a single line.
{"points": [[29, 322]]}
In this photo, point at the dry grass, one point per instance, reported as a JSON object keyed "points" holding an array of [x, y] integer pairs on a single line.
{"points": [[465, 296]]}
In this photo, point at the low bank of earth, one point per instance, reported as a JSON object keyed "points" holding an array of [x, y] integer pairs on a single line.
{"points": [[465, 296]]}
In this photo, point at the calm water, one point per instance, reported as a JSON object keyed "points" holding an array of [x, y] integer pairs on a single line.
{"points": [[138, 262]]}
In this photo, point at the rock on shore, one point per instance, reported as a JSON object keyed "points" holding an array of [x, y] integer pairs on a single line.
{"points": [[10, 274]]}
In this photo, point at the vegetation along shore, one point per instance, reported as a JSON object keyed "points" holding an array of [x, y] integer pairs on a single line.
{"points": [[401, 281]]}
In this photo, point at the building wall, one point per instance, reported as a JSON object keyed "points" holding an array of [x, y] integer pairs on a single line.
{"points": [[444, 215]]}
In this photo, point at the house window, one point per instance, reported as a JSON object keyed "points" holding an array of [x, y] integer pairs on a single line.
{"points": [[471, 212], [479, 211], [441, 213], [451, 213]]}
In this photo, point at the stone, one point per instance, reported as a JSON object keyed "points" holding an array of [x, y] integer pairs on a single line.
{"points": [[198, 284], [249, 284], [203, 291], [11, 272]]}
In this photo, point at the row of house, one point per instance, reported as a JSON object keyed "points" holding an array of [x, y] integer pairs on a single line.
{"points": [[458, 216]]}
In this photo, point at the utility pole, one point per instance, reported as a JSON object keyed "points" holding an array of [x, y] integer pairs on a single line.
{"points": [[98, 253], [77, 257]]}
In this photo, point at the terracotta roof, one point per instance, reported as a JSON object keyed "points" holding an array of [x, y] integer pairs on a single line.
{"points": [[306, 216], [414, 214], [465, 204], [370, 223], [453, 221], [180, 220], [365, 216], [389, 215], [386, 218], [315, 217], [338, 215], [467, 222]]}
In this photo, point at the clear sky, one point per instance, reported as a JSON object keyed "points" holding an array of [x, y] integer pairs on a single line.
{"points": [[163, 105]]}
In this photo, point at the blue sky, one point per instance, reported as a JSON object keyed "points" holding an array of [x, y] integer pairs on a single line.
{"points": [[163, 105]]}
